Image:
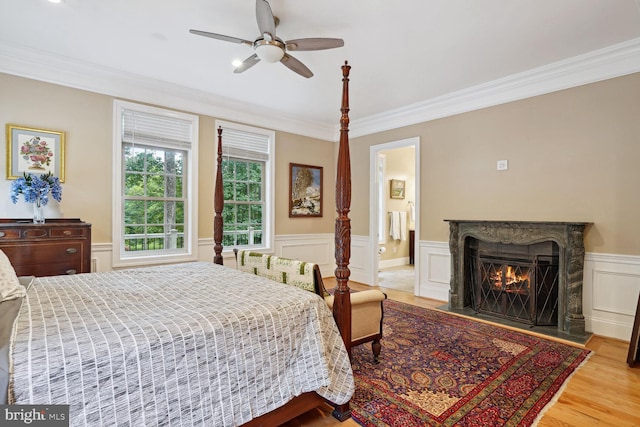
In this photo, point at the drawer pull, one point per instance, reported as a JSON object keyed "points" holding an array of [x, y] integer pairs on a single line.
{"points": [[71, 250], [67, 232], [71, 272]]}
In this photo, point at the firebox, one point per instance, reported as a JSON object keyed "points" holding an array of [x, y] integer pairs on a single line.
{"points": [[517, 282]]}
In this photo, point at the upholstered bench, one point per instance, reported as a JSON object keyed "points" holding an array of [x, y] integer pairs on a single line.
{"points": [[366, 306]]}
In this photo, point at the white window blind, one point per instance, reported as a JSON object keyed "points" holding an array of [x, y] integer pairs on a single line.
{"points": [[140, 127], [245, 145]]}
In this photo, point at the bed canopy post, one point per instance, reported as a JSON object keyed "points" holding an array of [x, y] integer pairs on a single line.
{"points": [[218, 205], [342, 301]]}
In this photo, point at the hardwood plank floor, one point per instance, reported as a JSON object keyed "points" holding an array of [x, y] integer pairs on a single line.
{"points": [[604, 392]]}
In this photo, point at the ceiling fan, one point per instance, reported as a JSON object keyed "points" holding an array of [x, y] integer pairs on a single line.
{"points": [[270, 48]]}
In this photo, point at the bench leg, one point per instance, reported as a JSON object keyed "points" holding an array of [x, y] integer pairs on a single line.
{"points": [[376, 347]]}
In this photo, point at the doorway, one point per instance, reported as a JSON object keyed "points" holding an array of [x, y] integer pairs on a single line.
{"points": [[394, 220]]}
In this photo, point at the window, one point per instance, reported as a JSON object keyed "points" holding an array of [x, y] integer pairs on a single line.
{"points": [[248, 177], [155, 194]]}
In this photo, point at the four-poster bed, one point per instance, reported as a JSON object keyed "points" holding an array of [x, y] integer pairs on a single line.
{"points": [[342, 301], [185, 344]]}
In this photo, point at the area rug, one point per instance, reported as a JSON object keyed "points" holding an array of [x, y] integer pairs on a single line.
{"points": [[437, 369]]}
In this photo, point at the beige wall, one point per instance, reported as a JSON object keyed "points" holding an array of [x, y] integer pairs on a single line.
{"points": [[86, 118], [307, 151], [573, 156]]}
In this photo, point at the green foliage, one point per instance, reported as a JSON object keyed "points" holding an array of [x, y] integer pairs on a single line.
{"points": [[244, 201], [153, 190]]}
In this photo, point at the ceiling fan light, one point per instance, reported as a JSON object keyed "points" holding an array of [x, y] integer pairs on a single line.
{"points": [[269, 52]]}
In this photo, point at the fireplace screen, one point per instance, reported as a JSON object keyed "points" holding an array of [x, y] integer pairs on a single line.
{"points": [[524, 290]]}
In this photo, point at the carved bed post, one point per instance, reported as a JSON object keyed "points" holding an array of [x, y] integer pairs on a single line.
{"points": [[218, 205], [342, 301]]}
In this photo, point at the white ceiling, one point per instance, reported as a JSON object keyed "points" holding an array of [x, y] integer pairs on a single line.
{"points": [[408, 56]]}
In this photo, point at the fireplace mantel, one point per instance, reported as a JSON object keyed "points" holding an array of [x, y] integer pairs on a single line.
{"points": [[569, 236]]}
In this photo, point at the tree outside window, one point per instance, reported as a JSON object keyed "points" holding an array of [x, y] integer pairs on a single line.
{"points": [[244, 202], [153, 198]]}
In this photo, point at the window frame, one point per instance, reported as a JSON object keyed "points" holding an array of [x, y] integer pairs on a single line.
{"points": [[189, 252], [268, 187]]}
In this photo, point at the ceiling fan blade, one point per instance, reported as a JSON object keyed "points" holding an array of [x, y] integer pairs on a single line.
{"points": [[221, 37], [247, 63], [294, 65], [266, 22], [314, 44]]}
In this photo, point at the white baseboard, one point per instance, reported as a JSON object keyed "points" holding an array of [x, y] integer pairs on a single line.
{"points": [[393, 262]]}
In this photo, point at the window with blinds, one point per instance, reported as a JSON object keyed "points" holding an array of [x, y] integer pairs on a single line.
{"points": [[154, 205], [247, 175]]}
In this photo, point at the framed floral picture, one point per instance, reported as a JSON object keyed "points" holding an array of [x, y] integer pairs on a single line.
{"points": [[37, 151], [305, 191]]}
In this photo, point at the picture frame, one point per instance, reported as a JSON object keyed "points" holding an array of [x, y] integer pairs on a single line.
{"points": [[305, 191], [633, 357], [397, 189], [36, 151]]}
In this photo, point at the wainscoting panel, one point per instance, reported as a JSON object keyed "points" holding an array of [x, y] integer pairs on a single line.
{"points": [[435, 271], [318, 248], [610, 294], [361, 270], [101, 257]]}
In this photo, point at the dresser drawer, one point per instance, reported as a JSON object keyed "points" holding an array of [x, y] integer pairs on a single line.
{"points": [[39, 253], [48, 269], [9, 233], [68, 232], [59, 246]]}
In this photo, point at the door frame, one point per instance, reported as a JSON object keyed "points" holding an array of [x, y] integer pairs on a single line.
{"points": [[374, 150]]}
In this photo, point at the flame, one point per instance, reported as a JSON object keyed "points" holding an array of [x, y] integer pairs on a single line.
{"points": [[511, 278]]}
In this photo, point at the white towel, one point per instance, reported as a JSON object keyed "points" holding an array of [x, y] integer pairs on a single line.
{"points": [[403, 225], [398, 225], [394, 226]]}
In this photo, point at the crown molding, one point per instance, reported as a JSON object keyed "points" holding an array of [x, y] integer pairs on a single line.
{"points": [[56, 69], [613, 61]]}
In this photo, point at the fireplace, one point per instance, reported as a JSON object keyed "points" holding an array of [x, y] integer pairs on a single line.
{"points": [[516, 282], [526, 272]]}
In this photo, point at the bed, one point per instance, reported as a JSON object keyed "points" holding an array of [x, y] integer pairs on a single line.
{"points": [[188, 344]]}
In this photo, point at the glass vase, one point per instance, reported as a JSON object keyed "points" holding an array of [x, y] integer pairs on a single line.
{"points": [[38, 212]]}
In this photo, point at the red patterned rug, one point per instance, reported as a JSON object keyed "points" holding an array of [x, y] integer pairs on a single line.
{"points": [[437, 369]]}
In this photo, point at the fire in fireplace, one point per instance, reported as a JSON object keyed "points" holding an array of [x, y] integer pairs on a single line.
{"points": [[517, 282]]}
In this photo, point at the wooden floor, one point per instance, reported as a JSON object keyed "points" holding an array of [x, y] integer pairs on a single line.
{"points": [[604, 392]]}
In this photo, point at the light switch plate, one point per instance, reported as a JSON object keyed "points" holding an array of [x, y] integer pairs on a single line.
{"points": [[502, 165]]}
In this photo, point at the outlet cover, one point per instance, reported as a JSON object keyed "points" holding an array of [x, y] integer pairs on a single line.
{"points": [[502, 165]]}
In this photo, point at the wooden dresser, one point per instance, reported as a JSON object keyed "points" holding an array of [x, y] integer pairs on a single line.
{"points": [[59, 246]]}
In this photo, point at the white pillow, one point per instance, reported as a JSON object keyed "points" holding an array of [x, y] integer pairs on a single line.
{"points": [[10, 287]]}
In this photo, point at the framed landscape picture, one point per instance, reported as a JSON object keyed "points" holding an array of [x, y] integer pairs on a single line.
{"points": [[397, 189], [305, 191], [36, 151]]}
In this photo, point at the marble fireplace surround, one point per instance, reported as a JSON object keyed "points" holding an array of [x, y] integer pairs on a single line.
{"points": [[569, 236]]}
